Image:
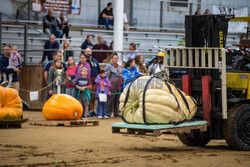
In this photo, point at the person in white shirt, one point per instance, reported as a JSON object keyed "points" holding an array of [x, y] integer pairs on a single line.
{"points": [[157, 65], [132, 54], [125, 21]]}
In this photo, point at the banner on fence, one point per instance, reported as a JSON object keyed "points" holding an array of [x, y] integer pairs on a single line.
{"points": [[72, 7]]}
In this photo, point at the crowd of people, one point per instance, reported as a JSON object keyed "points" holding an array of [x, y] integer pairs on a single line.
{"points": [[84, 80], [87, 82]]}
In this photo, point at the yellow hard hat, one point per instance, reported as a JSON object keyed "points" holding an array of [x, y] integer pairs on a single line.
{"points": [[160, 54]]}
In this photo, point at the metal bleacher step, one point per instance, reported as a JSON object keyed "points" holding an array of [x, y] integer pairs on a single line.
{"points": [[20, 32], [12, 26]]}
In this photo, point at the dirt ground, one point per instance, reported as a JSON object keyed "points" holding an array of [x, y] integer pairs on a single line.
{"points": [[97, 146]]}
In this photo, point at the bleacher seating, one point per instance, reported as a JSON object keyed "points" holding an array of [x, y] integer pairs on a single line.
{"points": [[13, 34]]}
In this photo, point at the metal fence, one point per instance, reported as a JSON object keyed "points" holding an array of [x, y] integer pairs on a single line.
{"points": [[33, 56], [29, 58], [26, 28]]}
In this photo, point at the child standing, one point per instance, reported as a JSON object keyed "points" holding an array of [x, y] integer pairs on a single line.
{"points": [[56, 71], [70, 89], [103, 85], [14, 62], [129, 73], [83, 84], [83, 63]]}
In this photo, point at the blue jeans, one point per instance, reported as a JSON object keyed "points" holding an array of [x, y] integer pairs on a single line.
{"points": [[106, 22], [58, 33], [71, 92], [101, 108]]}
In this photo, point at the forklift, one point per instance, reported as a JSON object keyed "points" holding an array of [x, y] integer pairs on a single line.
{"points": [[228, 112], [222, 93]]}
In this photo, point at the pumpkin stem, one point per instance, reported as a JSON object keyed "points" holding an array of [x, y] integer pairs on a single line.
{"points": [[134, 106]]}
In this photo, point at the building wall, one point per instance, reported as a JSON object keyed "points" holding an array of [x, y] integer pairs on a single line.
{"points": [[146, 12]]}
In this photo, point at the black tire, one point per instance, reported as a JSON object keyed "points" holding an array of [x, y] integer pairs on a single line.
{"points": [[195, 138], [237, 127]]}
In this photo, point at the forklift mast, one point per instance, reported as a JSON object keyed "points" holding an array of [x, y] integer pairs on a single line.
{"points": [[204, 61], [206, 30]]}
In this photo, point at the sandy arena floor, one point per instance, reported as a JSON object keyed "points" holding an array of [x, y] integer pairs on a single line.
{"points": [[98, 147]]}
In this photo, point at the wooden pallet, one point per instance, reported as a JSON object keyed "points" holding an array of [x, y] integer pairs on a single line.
{"points": [[12, 124], [68, 123], [157, 130]]}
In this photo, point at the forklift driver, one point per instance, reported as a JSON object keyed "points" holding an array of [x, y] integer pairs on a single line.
{"points": [[157, 65]]}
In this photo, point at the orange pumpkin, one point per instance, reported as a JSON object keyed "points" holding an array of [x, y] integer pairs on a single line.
{"points": [[10, 104], [62, 107]]}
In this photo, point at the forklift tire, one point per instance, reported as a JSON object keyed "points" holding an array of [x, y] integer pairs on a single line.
{"points": [[237, 127], [195, 139]]}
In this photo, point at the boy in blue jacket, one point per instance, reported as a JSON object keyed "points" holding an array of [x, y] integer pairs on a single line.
{"points": [[129, 73]]}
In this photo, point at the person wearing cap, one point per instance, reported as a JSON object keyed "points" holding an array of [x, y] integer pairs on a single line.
{"points": [[157, 65]]}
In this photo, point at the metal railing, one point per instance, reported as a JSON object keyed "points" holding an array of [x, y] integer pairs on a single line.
{"points": [[26, 28], [24, 23], [30, 59]]}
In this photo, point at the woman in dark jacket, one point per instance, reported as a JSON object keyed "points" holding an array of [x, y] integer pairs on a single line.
{"points": [[87, 43], [62, 23], [114, 74]]}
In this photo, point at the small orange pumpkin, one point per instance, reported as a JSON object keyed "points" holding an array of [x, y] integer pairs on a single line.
{"points": [[10, 104], [62, 107]]}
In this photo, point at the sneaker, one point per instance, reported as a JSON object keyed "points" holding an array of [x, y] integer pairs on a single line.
{"points": [[4, 82], [99, 117], [106, 117], [9, 86]]}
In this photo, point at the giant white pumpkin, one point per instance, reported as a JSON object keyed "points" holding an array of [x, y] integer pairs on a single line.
{"points": [[163, 102]]}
